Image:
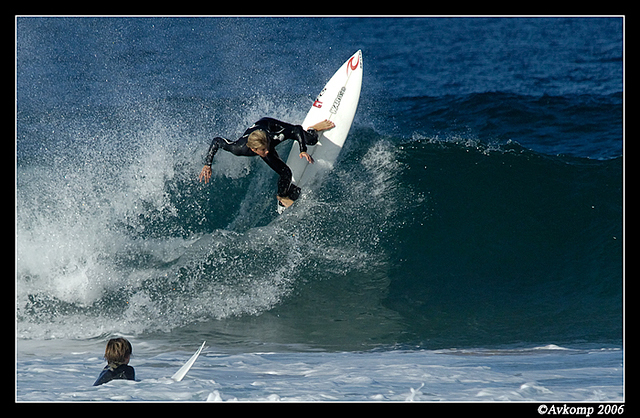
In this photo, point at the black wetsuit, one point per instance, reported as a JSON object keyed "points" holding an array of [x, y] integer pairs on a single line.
{"points": [[112, 372], [277, 132]]}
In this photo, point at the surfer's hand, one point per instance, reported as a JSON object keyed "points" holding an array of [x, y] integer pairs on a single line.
{"points": [[307, 156], [205, 174]]}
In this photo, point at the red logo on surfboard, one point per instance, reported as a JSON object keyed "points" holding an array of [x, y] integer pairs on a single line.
{"points": [[317, 103], [353, 65]]}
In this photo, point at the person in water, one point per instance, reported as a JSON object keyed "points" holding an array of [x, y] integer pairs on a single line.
{"points": [[261, 139], [117, 354]]}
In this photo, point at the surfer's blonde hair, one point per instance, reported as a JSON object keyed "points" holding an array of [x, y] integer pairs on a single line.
{"points": [[257, 139], [117, 351]]}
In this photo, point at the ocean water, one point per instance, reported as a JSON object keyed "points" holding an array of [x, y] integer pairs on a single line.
{"points": [[467, 246]]}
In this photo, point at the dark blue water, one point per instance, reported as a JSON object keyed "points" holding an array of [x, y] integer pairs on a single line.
{"points": [[477, 201]]}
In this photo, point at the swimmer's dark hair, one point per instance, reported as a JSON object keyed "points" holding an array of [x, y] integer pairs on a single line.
{"points": [[117, 351]]}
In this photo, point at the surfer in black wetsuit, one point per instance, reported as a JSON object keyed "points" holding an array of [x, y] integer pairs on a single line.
{"points": [[117, 354], [261, 139]]}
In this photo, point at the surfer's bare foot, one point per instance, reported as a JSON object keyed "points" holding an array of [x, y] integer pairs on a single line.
{"points": [[285, 201], [323, 126]]}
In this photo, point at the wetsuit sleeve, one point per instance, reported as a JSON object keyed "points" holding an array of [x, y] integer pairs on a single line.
{"points": [[105, 376], [303, 137], [238, 147], [213, 148], [130, 373]]}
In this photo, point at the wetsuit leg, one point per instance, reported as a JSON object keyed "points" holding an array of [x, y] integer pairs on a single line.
{"points": [[285, 187], [294, 192], [304, 138]]}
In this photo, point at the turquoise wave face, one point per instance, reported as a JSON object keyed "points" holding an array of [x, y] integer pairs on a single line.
{"points": [[423, 241]]}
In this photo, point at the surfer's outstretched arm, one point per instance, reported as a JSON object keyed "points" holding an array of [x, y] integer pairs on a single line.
{"points": [[238, 147]]}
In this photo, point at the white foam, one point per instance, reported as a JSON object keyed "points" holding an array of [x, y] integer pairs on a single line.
{"points": [[419, 376]]}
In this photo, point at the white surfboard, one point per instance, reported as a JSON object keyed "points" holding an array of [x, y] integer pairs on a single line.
{"points": [[337, 102], [180, 374]]}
